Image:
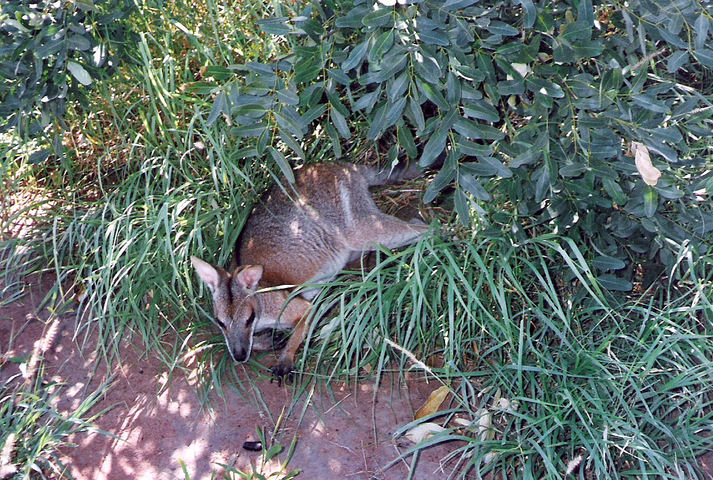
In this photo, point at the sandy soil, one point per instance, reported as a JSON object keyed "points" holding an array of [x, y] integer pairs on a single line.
{"points": [[159, 423]]}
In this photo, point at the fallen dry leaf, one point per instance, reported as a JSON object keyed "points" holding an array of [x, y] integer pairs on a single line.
{"points": [[648, 172], [421, 432], [433, 403]]}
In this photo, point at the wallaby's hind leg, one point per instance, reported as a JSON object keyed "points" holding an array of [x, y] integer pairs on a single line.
{"points": [[383, 229]]}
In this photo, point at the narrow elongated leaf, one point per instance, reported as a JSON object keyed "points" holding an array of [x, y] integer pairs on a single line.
{"points": [[676, 61], [341, 124], [606, 263], [334, 137], [610, 282], [471, 185], [405, 139], [282, 162], [355, 56], [701, 27], [705, 56], [289, 124], [432, 94], [292, 144], [254, 130], [393, 114], [382, 45], [377, 125], [219, 106], [79, 73], [337, 104], [378, 18], [530, 13], [651, 200], [650, 103], [435, 146], [460, 202], [441, 181]]}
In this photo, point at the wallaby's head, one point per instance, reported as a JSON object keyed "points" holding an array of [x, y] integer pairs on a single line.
{"points": [[234, 303]]}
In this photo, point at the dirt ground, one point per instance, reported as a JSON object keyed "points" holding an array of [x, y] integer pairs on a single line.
{"points": [[157, 424]]}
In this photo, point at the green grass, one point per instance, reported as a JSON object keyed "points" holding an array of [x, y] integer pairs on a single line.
{"points": [[625, 382], [32, 429]]}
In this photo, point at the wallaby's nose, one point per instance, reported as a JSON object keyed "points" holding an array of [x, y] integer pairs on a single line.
{"points": [[239, 354]]}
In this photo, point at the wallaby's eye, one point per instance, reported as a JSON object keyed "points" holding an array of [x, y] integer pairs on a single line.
{"points": [[220, 323]]}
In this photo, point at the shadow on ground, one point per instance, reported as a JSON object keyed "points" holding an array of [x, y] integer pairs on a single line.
{"points": [[157, 424]]}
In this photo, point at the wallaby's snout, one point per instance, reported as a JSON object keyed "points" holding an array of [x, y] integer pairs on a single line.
{"points": [[239, 352]]}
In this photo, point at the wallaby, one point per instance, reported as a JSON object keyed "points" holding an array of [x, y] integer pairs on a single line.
{"points": [[301, 234]]}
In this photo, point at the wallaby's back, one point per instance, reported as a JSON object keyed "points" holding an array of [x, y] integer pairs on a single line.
{"points": [[308, 231]]}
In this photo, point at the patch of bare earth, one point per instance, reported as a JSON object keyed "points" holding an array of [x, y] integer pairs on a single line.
{"points": [[156, 423]]}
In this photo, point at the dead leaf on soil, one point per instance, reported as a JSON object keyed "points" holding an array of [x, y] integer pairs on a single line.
{"points": [[433, 403], [421, 432]]}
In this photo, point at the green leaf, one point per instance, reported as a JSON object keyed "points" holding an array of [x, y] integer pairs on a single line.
{"points": [[530, 12], [482, 110], [355, 56], [460, 201], [651, 201], [246, 131], [219, 106], [339, 75], [501, 28], [434, 37], [614, 190], [283, 164], [435, 146], [393, 114], [337, 104], [292, 144], [441, 181], [610, 282], [378, 18], [542, 185], [288, 124], [701, 27], [78, 42], [432, 94], [705, 57], [416, 115], [377, 125], [471, 185], [650, 103], [368, 100], [341, 124], [334, 137], [406, 142], [79, 73], [40, 156], [382, 45], [676, 61], [606, 263]]}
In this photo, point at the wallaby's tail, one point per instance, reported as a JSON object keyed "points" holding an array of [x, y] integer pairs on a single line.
{"points": [[397, 174]]}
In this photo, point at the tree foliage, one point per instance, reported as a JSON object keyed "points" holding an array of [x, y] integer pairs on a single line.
{"points": [[535, 105], [49, 51]]}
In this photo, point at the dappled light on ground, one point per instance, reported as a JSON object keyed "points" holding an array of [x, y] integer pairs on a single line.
{"points": [[156, 423]]}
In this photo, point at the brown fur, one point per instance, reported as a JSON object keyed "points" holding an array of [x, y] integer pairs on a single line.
{"points": [[300, 235]]}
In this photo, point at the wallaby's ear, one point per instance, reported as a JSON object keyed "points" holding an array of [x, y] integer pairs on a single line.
{"points": [[249, 276], [207, 273]]}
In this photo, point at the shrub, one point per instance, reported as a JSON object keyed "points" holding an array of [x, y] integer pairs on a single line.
{"points": [[537, 108], [50, 51]]}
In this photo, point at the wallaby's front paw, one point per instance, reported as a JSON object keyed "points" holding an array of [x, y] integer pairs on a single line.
{"points": [[282, 371]]}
